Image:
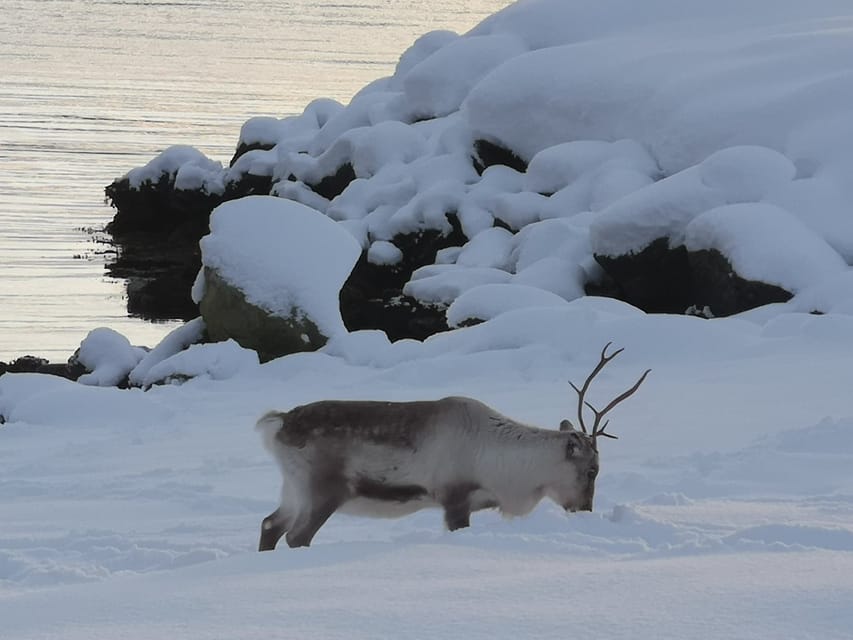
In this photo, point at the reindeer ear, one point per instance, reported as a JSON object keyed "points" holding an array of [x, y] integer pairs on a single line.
{"points": [[565, 425]]}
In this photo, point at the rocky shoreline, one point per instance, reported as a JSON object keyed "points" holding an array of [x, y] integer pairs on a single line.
{"points": [[34, 364], [459, 199]]}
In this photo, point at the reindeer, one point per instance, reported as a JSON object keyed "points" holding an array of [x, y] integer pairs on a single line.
{"points": [[390, 459]]}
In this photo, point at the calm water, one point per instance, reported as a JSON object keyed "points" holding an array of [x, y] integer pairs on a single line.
{"points": [[92, 88]]}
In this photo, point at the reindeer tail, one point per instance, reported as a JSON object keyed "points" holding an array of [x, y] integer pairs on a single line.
{"points": [[268, 426]]}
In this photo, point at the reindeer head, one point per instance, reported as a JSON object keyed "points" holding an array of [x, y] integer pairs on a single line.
{"points": [[582, 445]]}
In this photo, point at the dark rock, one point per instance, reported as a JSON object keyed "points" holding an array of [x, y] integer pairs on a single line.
{"points": [[372, 296], [399, 316], [33, 364], [717, 286], [157, 207], [244, 148], [227, 314], [247, 185], [156, 231], [656, 280], [332, 186], [487, 154]]}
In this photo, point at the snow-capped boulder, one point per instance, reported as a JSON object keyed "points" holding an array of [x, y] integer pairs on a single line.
{"points": [[179, 184], [639, 239], [747, 255], [272, 273]]}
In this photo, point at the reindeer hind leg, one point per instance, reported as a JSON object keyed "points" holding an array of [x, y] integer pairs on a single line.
{"points": [[328, 492], [272, 528]]}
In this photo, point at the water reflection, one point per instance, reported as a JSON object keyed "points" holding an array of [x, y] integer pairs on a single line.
{"points": [[93, 88]]}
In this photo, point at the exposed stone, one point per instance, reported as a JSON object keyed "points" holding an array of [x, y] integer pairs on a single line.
{"points": [[244, 148], [33, 364], [718, 287], [332, 186], [657, 279], [487, 154], [372, 296], [157, 206], [227, 314]]}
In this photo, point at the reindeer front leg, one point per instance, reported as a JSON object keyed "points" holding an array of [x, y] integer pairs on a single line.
{"points": [[456, 501]]}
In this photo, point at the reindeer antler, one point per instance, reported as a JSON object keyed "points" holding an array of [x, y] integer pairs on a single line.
{"points": [[598, 430]]}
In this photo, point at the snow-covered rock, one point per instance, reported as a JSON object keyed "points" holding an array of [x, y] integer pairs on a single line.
{"points": [[739, 253], [188, 167], [273, 271]]}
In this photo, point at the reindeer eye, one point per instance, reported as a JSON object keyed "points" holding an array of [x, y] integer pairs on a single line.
{"points": [[592, 473]]}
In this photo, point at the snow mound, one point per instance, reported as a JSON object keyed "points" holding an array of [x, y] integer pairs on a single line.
{"points": [[108, 357], [442, 284], [175, 341], [490, 300], [437, 85], [216, 361]]}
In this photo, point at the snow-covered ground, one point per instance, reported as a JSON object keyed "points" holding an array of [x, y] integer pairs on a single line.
{"points": [[726, 506]]}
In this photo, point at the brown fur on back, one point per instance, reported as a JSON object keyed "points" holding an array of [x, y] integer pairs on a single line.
{"points": [[393, 424]]}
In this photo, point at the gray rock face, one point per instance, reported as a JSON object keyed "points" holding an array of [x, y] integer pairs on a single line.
{"points": [[227, 314]]}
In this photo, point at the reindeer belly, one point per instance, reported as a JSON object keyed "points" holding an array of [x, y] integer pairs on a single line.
{"points": [[385, 498], [373, 508]]}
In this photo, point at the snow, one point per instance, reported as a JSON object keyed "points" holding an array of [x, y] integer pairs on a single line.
{"points": [[437, 85], [661, 210], [443, 283], [383, 252], [285, 257], [175, 341], [190, 169], [747, 173], [722, 497], [108, 357], [490, 300], [724, 506], [218, 361]]}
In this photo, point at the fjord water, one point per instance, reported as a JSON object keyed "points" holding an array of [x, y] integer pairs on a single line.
{"points": [[92, 88]]}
